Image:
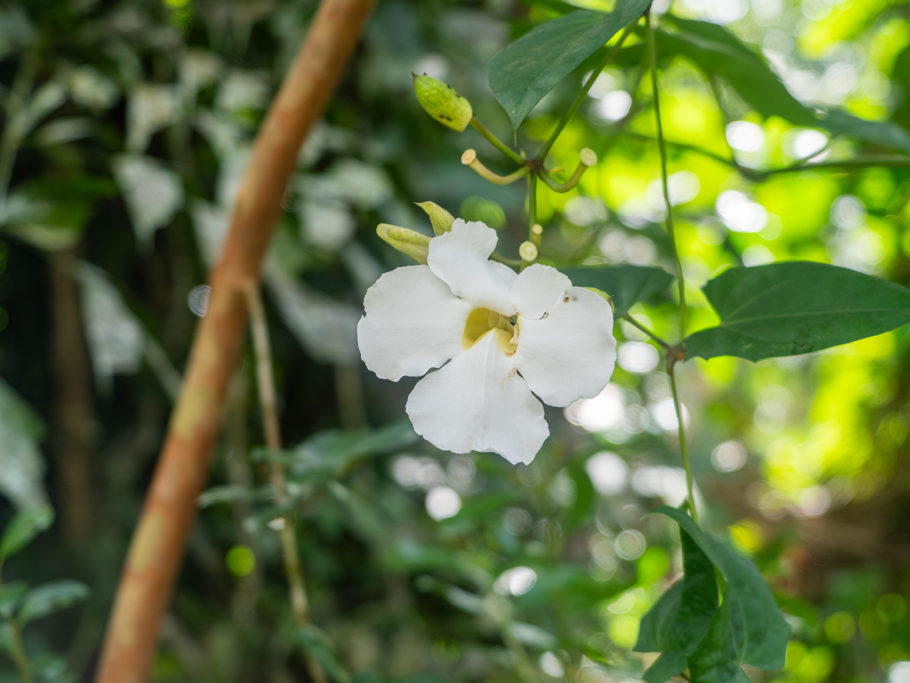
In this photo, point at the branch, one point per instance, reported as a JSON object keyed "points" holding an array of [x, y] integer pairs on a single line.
{"points": [[161, 535]]}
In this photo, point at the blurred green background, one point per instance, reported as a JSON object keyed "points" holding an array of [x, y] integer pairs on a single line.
{"points": [[125, 126]]}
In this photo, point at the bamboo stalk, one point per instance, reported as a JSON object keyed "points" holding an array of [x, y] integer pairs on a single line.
{"points": [[160, 536]]}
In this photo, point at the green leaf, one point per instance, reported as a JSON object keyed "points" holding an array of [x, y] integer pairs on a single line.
{"points": [[50, 597], [880, 133], [756, 621], [680, 619], [319, 647], [626, 284], [27, 524], [782, 309], [523, 72], [715, 50], [717, 660], [10, 595]]}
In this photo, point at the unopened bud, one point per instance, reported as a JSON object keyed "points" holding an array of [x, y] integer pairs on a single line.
{"points": [[440, 101], [440, 218], [527, 251], [408, 242]]}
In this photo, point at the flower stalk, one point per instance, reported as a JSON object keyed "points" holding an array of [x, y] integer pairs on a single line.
{"points": [[587, 159], [469, 158]]}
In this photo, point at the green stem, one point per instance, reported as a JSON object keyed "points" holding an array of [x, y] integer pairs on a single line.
{"points": [[634, 323], [681, 432], [570, 112], [662, 147], [17, 649], [532, 209], [495, 141], [757, 175]]}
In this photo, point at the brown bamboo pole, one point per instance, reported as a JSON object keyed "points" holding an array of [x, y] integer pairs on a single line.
{"points": [[160, 536]]}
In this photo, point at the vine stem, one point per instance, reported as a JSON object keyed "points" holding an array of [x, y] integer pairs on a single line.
{"points": [[586, 88], [161, 534], [495, 141], [17, 649], [681, 432], [672, 352], [662, 147], [634, 323], [269, 405]]}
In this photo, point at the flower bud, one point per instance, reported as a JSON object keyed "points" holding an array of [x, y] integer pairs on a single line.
{"points": [[408, 242], [440, 101], [440, 218], [527, 251]]}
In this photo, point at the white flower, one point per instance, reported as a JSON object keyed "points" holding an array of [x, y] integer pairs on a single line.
{"points": [[503, 334]]}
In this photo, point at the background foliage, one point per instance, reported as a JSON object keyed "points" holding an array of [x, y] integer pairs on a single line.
{"points": [[125, 126]]}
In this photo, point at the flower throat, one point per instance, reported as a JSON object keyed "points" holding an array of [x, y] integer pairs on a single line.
{"points": [[480, 321]]}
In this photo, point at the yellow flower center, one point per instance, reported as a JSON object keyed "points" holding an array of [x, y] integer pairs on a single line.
{"points": [[483, 320]]}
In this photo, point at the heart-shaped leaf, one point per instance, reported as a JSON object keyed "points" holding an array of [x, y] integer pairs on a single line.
{"points": [[627, 285], [782, 309], [524, 71]]}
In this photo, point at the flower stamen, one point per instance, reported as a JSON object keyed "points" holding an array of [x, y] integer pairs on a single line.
{"points": [[480, 321]]}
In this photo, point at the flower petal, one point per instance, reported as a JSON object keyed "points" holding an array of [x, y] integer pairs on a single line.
{"points": [[537, 288], [477, 402], [571, 352], [460, 259], [412, 323]]}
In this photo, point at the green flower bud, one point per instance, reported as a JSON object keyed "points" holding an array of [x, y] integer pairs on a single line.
{"points": [[408, 242], [440, 101], [440, 218]]}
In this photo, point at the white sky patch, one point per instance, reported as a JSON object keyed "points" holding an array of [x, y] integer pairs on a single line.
{"points": [[613, 105], [729, 456], [608, 472], [757, 255], [442, 502], [637, 357], [515, 581], [604, 411], [661, 481], [807, 142], [739, 213], [745, 136], [848, 212], [813, 502], [664, 414]]}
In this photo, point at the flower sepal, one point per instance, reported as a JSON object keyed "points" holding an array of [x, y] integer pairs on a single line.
{"points": [[409, 242], [440, 218]]}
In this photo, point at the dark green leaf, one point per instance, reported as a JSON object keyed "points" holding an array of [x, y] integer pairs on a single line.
{"points": [[880, 133], [756, 621], [717, 659], [680, 619], [715, 50], [27, 524], [783, 309], [10, 595], [50, 597], [626, 284], [318, 646], [523, 72]]}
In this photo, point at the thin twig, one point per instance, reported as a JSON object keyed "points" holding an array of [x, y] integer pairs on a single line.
{"points": [[632, 321], [269, 405], [163, 528]]}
